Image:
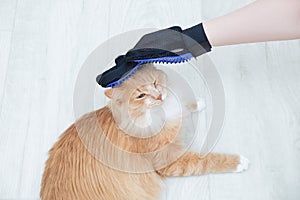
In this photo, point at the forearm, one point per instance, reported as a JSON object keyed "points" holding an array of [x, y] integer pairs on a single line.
{"points": [[262, 20]]}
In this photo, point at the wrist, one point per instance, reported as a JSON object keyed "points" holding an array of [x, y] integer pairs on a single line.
{"points": [[198, 35]]}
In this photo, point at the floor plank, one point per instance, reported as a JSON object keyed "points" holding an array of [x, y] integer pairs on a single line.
{"points": [[243, 83], [281, 126], [7, 14], [5, 41]]}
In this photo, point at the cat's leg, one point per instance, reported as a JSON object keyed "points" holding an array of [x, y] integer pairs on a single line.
{"points": [[194, 164]]}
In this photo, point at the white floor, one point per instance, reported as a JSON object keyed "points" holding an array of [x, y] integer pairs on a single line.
{"points": [[44, 43]]}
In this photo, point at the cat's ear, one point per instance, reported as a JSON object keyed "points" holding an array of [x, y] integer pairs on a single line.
{"points": [[109, 92]]}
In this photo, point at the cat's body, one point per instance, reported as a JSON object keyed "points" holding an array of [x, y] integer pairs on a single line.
{"points": [[72, 172], [110, 164]]}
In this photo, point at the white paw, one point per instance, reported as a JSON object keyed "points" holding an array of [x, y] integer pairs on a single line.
{"points": [[200, 104], [244, 164]]}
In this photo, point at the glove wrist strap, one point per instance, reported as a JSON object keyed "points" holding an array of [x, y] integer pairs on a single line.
{"points": [[198, 34]]}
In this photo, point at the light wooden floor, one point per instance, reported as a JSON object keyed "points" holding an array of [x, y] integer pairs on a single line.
{"points": [[44, 43]]}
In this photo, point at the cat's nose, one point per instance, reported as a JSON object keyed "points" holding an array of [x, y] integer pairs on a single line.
{"points": [[159, 97]]}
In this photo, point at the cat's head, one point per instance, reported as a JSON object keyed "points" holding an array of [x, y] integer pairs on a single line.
{"points": [[143, 91]]}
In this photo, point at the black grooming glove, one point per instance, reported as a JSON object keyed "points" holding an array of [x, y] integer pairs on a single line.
{"points": [[115, 73], [167, 45], [171, 42]]}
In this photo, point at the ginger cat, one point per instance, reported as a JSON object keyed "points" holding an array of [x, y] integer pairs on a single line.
{"points": [[120, 152]]}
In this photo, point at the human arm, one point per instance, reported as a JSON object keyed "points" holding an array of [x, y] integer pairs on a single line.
{"points": [[262, 20]]}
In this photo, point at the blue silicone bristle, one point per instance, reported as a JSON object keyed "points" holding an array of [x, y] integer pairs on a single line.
{"points": [[165, 60]]}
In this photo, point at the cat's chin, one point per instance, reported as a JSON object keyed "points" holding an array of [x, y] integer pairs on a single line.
{"points": [[151, 122], [147, 125]]}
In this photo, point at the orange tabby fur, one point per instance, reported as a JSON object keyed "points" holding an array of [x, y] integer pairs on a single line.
{"points": [[74, 170]]}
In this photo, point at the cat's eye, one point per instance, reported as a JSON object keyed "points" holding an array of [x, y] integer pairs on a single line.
{"points": [[154, 83], [141, 96]]}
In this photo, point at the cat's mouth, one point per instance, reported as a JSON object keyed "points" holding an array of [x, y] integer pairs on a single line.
{"points": [[158, 100]]}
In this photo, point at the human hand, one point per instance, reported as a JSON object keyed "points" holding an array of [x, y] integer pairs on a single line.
{"points": [[173, 42]]}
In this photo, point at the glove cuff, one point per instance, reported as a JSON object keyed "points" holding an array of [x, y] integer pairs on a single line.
{"points": [[197, 33]]}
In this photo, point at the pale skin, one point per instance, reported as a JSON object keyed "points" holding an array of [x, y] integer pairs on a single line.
{"points": [[260, 21]]}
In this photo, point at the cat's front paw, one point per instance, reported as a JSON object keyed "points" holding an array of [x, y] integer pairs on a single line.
{"points": [[243, 165], [197, 106]]}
